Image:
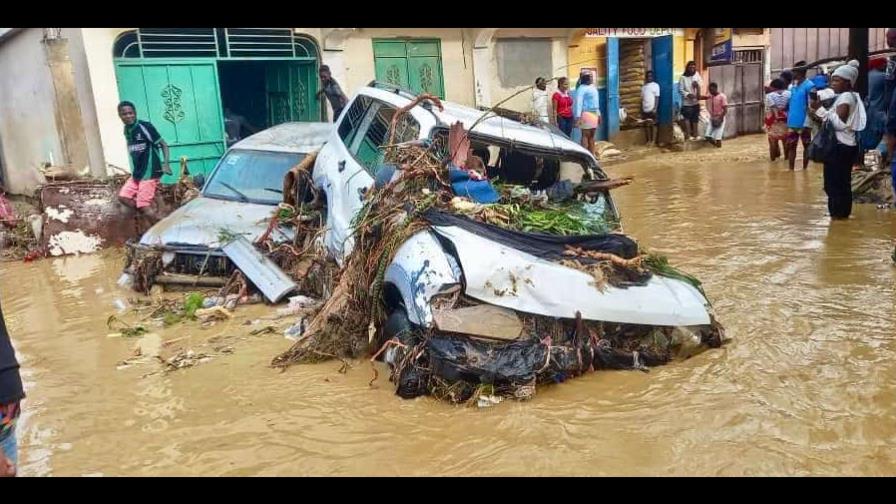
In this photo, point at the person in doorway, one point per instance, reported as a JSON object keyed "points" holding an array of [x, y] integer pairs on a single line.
{"points": [[330, 87], [799, 127], [234, 125], [847, 117], [717, 105], [689, 88], [144, 141], [561, 103], [540, 99], [776, 103], [586, 111], [11, 393], [650, 103]]}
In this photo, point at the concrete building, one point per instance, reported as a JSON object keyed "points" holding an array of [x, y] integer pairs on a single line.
{"points": [[59, 87]]}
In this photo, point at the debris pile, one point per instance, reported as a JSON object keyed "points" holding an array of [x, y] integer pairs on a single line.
{"points": [[874, 187], [424, 191], [20, 230]]}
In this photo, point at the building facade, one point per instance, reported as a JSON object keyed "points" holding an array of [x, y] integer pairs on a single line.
{"points": [[59, 87]]}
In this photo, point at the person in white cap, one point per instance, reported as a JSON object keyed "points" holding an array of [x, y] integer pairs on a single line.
{"points": [[846, 117]]}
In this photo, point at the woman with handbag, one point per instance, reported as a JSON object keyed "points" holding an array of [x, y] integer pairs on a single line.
{"points": [[838, 151]]}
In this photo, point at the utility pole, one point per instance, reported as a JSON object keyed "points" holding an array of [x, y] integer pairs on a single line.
{"points": [[858, 50]]}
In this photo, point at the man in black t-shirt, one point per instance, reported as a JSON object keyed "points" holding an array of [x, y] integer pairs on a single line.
{"points": [[147, 168]]}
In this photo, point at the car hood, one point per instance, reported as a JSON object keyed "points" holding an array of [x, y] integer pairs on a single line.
{"points": [[202, 221], [504, 276]]}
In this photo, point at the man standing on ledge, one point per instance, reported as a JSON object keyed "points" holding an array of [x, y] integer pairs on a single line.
{"points": [[146, 166]]}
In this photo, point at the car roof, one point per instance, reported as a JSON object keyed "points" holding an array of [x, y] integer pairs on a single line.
{"points": [[303, 137], [493, 126]]}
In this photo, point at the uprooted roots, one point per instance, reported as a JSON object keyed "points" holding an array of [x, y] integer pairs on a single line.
{"points": [[341, 327], [145, 264]]}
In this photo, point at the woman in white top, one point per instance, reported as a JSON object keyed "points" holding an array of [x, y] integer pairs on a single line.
{"points": [[540, 100], [847, 117]]}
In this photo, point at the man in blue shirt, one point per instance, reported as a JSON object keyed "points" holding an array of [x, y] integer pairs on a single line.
{"points": [[798, 125]]}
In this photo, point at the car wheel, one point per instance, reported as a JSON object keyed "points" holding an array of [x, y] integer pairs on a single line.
{"points": [[399, 326]]}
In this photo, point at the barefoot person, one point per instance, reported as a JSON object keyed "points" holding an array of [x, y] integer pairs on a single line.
{"points": [[717, 105], [147, 168], [689, 89], [586, 111]]}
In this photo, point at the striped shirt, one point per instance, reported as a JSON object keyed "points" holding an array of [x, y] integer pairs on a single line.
{"points": [[777, 99]]}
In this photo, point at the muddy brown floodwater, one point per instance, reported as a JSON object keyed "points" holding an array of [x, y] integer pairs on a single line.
{"points": [[805, 387]]}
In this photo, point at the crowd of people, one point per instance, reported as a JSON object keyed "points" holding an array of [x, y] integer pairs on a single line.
{"points": [[579, 109], [569, 110], [827, 114]]}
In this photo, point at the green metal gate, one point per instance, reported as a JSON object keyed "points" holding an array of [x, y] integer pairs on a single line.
{"points": [[410, 63], [171, 75], [182, 99], [291, 88]]}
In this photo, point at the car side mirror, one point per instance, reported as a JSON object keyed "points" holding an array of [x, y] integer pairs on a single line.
{"points": [[199, 180]]}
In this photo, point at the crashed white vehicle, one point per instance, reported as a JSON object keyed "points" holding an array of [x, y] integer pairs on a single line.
{"points": [[347, 166], [237, 199], [243, 189]]}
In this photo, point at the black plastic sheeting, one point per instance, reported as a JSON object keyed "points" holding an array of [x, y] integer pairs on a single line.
{"points": [[546, 246], [508, 367]]}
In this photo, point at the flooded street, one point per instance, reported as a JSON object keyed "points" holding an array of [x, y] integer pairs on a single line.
{"points": [[806, 386]]}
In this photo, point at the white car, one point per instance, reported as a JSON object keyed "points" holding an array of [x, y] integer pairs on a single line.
{"points": [[238, 198], [486, 270]]}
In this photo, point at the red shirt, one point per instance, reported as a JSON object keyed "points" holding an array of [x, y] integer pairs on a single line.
{"points": [[563, 104]]}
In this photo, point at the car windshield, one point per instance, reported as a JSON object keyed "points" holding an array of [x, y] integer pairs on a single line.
{"points": [[255, 176]]}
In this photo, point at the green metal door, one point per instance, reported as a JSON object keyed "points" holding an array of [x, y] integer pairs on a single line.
{"points": [[291, 89], [425, 67], [391, 62], [182, 99], [413, 64]]}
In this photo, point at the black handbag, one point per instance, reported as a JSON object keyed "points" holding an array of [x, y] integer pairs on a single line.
{"points": [[822, 146]]}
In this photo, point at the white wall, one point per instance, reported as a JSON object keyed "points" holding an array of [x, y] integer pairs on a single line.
{"points": [[97, 43], [95, 155], [522, 102], [27, 102]]}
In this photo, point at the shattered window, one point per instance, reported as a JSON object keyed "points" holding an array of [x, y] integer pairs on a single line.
{"points": [[369, 150], [351, 122], [369, 153], [406, 129]]}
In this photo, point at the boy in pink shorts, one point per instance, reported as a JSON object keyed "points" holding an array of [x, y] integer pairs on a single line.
{"points": [[146, 166]]}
